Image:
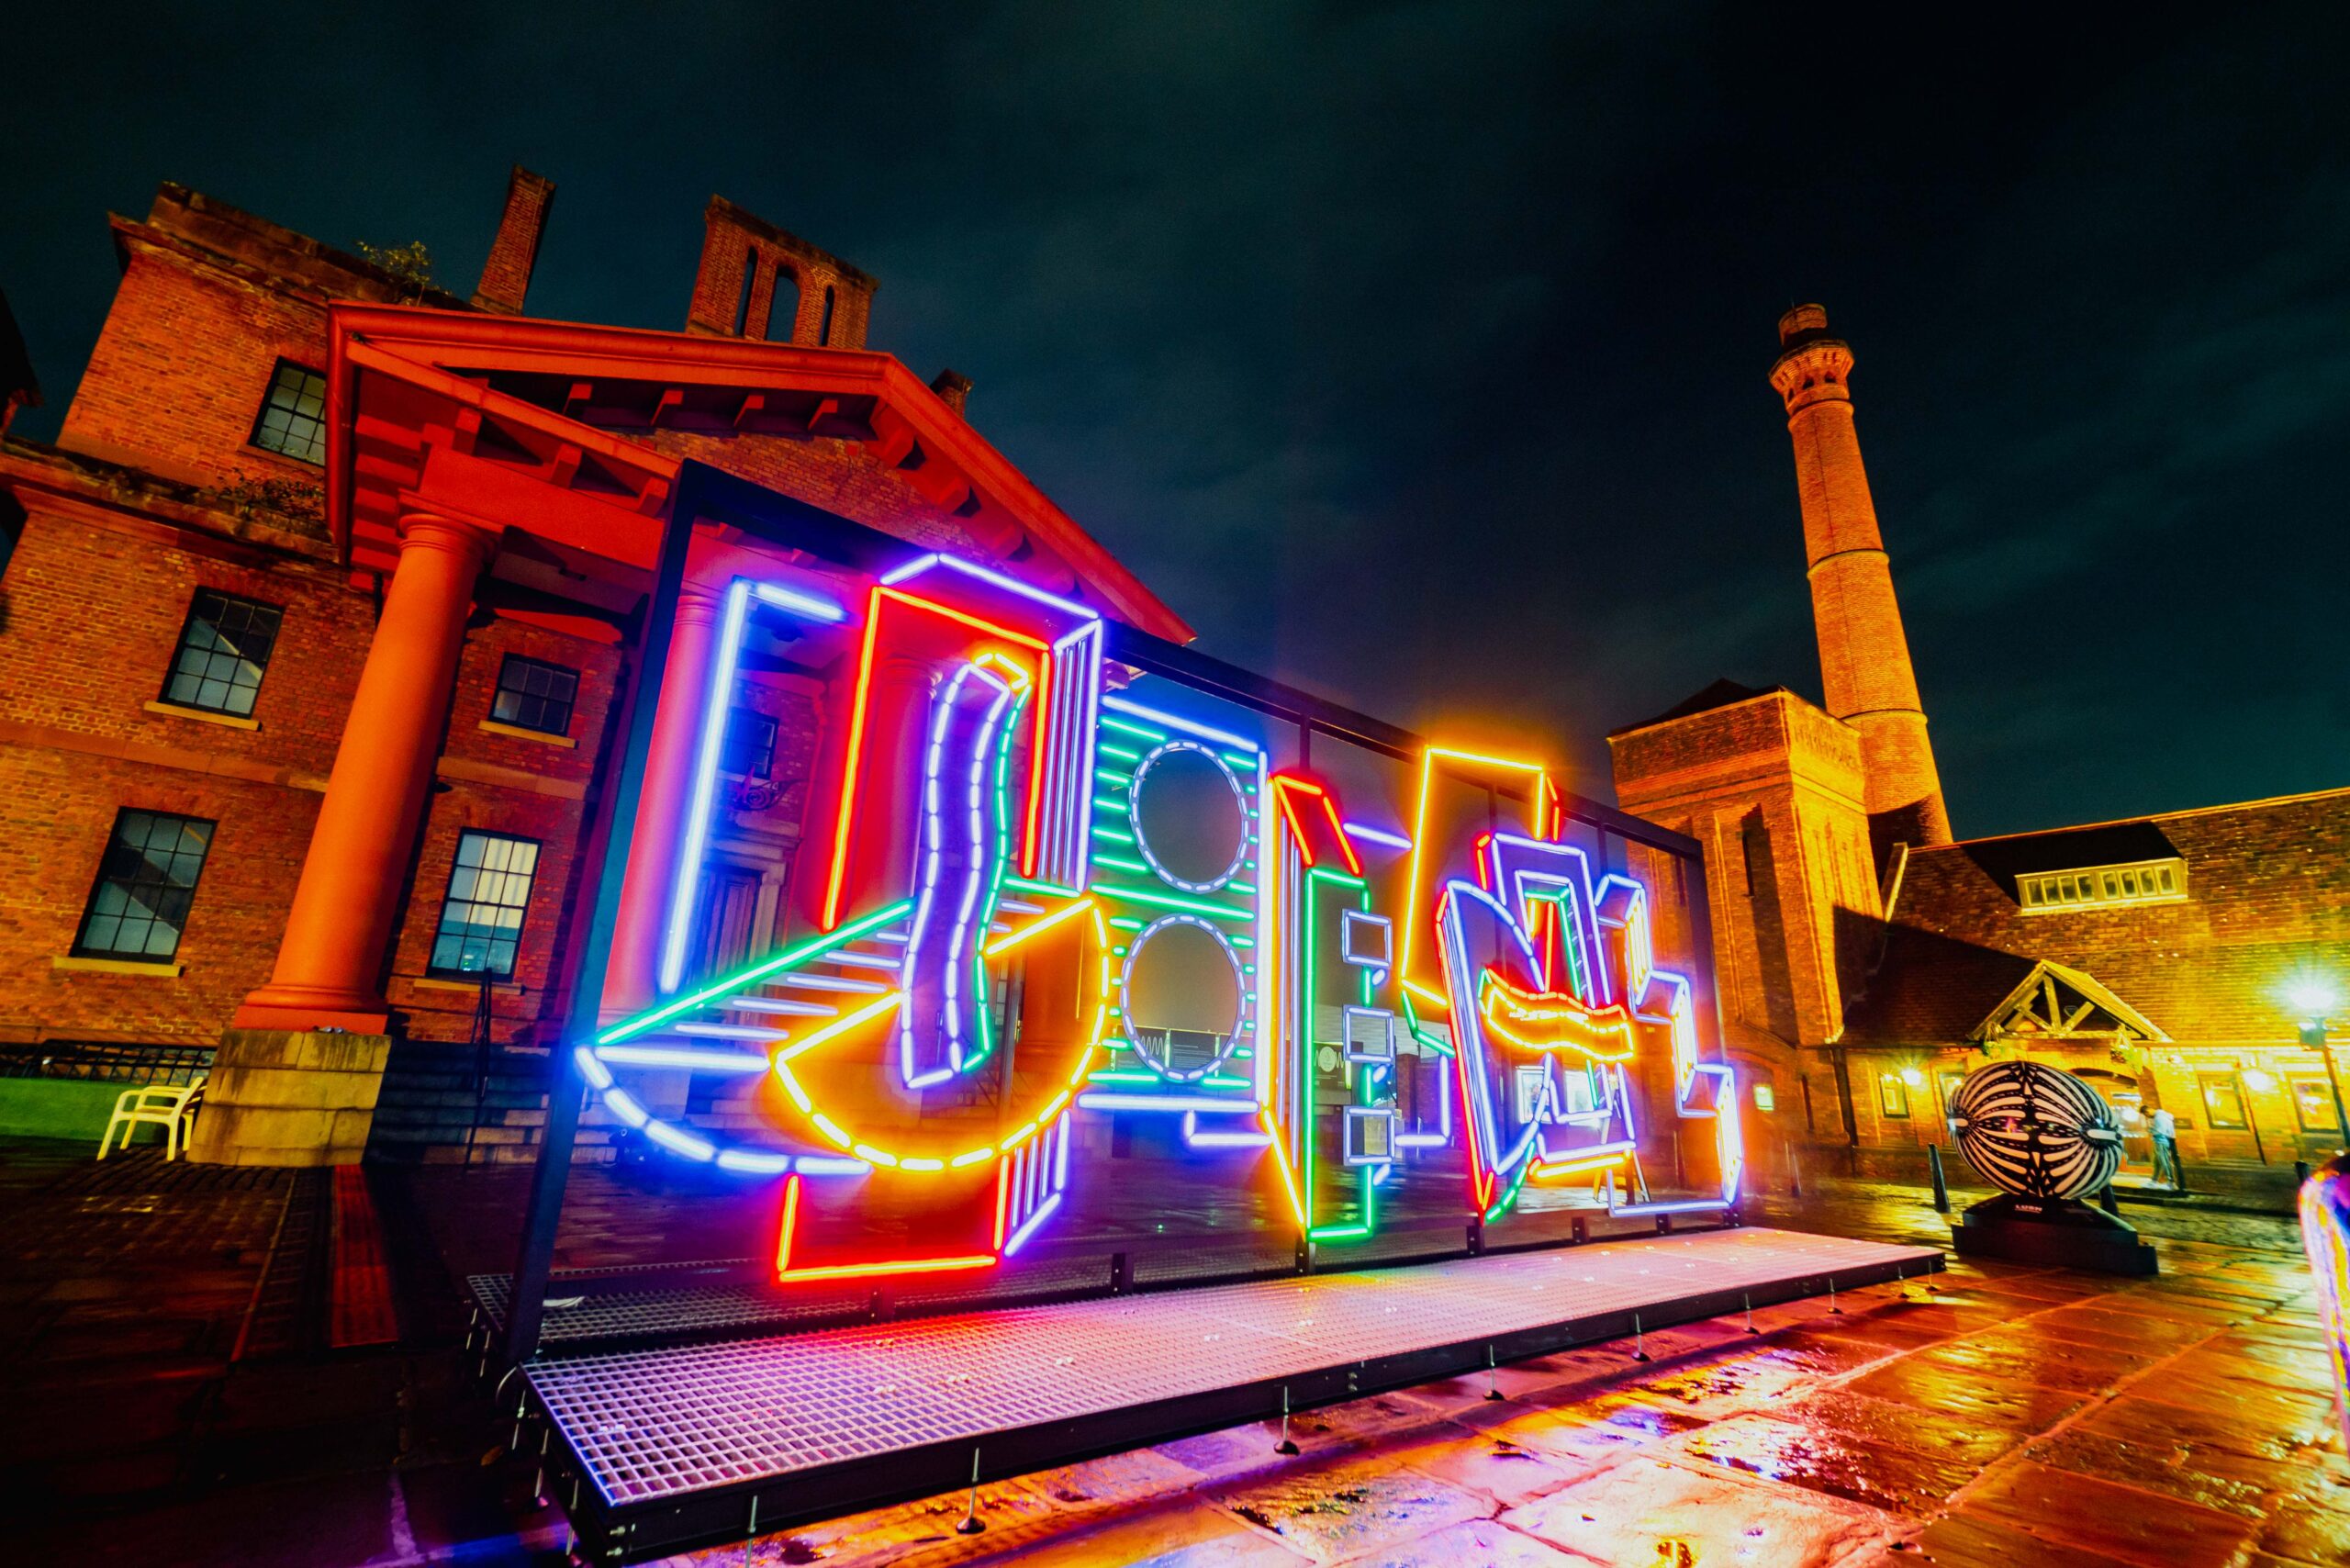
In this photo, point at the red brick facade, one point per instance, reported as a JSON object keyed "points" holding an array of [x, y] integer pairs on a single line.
{"points": [[156, 490]]}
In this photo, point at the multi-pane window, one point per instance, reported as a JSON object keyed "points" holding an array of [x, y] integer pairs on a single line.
{"points": [[2104, 886], [1892, 1095], [2314, 1106], [750, 743], [146, 882], [2223, 1100], [223, 650], [535, 695], [294, 416], [481, 920]]}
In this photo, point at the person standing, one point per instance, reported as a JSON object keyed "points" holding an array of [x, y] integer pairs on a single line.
{"points": [[2165, 1131]]}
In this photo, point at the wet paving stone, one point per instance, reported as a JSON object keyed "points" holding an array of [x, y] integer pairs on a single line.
{"points": [[1861, 1421], [2201, 1435], [1479, 1543], [2230, 1482], [1192, 1535], [2307, 1531], [1488, 1464], [2019, 1354], [1961, 1541], [2104, 1515], [1967, 1394], [1339, 1511], [1645, 1512], [1818, 1458], [1730, 1383]]}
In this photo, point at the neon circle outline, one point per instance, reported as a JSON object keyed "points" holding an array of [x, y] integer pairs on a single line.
{"points": [[1241, 1026], [1142, 839]]}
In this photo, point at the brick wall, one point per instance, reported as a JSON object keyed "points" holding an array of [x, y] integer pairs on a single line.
{"points": [[181, 366]]}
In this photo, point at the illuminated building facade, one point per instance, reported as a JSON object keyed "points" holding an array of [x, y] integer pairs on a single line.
{"points": [[769, 757], [315, 614], [2180, 962]]}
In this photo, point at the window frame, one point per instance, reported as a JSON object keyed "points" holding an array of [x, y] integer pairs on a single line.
{"points": [[433, 965], [765, 771], [181, 646], [2205, 1082], [99, 880], [2294, 1083], [2123, 885], [526, 663], [269, 403], [1890, 1086]]}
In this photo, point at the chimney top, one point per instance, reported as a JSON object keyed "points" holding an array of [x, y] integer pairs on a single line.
{"points": [[954, 389], [1802, 321], [514, 253]]}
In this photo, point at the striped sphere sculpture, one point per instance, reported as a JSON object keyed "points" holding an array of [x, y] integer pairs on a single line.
{"points": [[2035, 1131]]}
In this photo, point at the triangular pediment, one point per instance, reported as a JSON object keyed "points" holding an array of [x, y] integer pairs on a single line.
{"points": [[2054, 1003]]}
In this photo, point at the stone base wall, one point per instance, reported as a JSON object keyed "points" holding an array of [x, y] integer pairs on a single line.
{"points": [[279, 1097]]}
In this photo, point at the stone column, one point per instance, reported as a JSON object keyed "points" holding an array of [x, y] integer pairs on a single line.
{"points": [[295, 1077], [633, 979]]}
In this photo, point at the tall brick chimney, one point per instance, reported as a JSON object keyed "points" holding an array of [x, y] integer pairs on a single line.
{"points": [[1863, 653], [506, 276]]}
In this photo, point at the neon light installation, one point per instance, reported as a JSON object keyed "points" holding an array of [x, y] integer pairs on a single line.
{"points": [[984, 881]]}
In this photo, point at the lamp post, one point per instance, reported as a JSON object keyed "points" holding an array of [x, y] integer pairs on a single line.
{"points": [[2310, 997]]}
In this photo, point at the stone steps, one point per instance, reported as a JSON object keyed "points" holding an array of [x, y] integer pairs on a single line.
{"points": [[426, 1108]]}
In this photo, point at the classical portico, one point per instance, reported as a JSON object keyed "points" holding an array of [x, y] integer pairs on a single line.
{"points": [[481, 467]]}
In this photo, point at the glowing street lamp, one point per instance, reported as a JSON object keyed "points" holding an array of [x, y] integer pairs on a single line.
{"points": [[2310, 997]]}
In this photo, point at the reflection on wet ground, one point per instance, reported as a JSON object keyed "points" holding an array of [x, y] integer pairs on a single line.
{"points": [[1997, 1416]]}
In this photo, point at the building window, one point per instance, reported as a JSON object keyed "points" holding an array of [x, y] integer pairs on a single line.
{"points": [[146, 882], [750, 745], [294, 416], [2314, 1106], [535, 695], [1893, 1095], [2103, 887], [2222, 1102], [223, 650], [481, 920]]}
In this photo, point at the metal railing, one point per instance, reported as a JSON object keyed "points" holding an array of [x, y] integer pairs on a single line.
{"points": [[106, 1063]]}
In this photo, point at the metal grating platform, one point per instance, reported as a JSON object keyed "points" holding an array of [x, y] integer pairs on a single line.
{"points": [[661, 1450]]}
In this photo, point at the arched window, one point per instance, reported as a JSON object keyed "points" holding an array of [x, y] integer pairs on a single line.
{"points": [[825, 330], [742, 297], [783, 310]]}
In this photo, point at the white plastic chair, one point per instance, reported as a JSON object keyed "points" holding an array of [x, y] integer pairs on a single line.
{"points": [[174, 1110]]}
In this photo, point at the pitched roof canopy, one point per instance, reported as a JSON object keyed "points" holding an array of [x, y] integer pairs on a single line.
{"points": [[559, 427]]}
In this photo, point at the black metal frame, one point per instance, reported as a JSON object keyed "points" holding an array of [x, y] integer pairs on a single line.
{"points": [[189, 623], [705, 493], [100, 879], [269, 402], [435, 971], [625, 1533], [570, 703]]}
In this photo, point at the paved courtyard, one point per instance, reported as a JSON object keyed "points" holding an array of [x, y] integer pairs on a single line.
{"points": [[1995, 1416]]}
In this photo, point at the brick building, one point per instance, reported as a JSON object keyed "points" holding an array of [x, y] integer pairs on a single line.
{"points": [[315, 614], [1866, 960]]}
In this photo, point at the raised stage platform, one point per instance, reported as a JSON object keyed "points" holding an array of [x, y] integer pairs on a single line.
{"points": [[656, 1451]]}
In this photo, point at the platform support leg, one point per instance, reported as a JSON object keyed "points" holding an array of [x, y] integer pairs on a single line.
{"points": [[1286, 1445], [1749, 1298], [972, 1524], [1640, 1340], [1492, 1374]]}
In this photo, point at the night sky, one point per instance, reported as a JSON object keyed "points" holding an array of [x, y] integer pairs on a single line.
{"points": [[1416, 353]]}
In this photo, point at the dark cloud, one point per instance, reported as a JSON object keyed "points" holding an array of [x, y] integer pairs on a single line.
{"points": [[1417, 353]]}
